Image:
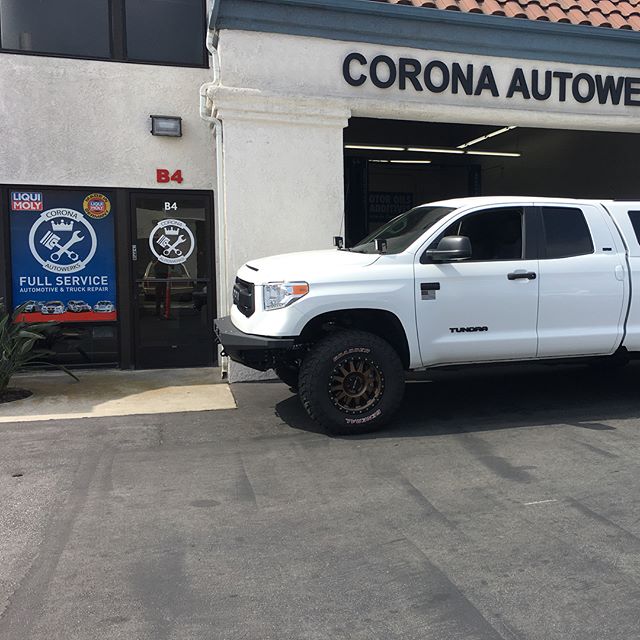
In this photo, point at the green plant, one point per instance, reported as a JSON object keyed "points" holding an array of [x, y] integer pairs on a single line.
{"points": [[18, 342]]}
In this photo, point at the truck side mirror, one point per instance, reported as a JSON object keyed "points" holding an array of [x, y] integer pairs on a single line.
{"points": [[450, 248]]}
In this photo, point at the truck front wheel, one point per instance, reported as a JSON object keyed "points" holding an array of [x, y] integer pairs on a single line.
{"points": [[351, 382]]}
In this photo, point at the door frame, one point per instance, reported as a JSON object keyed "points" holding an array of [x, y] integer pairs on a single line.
{"points": [[530, 252], [131, 327]]}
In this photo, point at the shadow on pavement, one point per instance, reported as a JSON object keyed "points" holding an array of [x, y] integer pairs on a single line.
{"points": [[502, 397]]}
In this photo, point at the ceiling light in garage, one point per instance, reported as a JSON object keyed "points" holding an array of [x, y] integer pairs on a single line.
{"points": [[456, 151], [370, 147], [434, 150], [503, 154], [493, 134], [403, 161]]}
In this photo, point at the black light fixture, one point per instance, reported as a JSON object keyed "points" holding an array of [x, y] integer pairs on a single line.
{"points": [[166, 126]]}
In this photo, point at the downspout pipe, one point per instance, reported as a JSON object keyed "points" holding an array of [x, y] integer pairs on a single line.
{"points": [[220, 218]]}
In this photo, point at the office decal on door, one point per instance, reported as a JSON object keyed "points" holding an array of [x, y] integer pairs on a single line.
{"points": [[63, 258], [171, 241]]}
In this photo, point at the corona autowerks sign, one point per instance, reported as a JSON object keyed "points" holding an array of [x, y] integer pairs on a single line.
{"points": [[63, 255], [437, 76]]}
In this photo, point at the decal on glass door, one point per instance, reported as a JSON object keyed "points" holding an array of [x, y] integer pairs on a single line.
{"points": [[63, 259], [171, 241]]}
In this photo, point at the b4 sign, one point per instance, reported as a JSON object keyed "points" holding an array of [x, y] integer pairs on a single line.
{"points": [[163, 176], [26, 201]]}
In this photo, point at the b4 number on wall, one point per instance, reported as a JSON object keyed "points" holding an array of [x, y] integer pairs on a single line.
{"points": [[164, 176]]}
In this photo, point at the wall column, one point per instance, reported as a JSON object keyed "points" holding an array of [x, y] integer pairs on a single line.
{"points": [[283, 177]]}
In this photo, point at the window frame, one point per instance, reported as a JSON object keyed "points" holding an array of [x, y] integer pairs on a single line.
{"points": [[529, 235], [543, 232], [118, 42]]}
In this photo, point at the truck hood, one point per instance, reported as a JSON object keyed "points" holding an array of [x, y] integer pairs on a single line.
{"points": [[304, 265]]}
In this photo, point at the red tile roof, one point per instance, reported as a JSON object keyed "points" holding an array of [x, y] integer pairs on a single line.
{"points": [[615, 14]]}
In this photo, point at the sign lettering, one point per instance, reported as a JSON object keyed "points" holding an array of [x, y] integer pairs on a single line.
{"points": [[163, 176], [436, 76]]}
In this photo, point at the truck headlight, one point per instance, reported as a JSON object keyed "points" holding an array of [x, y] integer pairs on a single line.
{"points": [[277, 295]]}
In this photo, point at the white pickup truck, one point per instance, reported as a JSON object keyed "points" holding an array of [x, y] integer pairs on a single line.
{"points": [[463, 281]]}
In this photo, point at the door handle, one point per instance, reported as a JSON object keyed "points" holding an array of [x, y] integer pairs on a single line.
{"points": [[522, 275]]}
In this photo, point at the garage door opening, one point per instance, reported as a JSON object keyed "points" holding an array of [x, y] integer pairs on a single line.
{"points": [[392, 165]]}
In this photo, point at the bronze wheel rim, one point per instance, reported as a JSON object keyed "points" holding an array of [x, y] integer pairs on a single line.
{"points": [[356, 385]]}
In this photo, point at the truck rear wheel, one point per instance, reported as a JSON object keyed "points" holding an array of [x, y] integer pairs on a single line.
{"points": [[351, 382]]}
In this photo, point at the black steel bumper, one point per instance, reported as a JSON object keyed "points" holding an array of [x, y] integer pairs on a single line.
{"points": [[257, 352]]}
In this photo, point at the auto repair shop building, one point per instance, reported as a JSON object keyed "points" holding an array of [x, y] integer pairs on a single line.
{"points": [[317, 118]]}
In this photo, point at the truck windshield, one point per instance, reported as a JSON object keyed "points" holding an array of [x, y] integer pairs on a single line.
{"points": [[403, 229]]}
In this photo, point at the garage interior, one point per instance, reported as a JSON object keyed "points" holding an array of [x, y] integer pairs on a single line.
{"points": [[392, 165]]}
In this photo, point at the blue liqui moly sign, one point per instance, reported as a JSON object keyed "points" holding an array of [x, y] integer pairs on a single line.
{"points": [[63, 256]]}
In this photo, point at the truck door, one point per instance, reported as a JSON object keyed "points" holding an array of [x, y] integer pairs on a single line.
{"points": [[483, 308], [582, 283]]}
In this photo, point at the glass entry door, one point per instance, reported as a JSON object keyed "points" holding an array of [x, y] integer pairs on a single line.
{"points": [[172, 257]]}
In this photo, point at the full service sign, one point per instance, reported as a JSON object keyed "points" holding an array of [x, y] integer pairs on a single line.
{"points": [[63, 256], [436, 76]]}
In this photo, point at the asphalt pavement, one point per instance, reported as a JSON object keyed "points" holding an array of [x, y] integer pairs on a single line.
{"points": [[505, 504]]}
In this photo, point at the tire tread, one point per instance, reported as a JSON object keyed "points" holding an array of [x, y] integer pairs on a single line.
{"points": [[327, 347]]}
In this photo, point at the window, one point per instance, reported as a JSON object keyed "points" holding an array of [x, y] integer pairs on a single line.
{"points": [[156, 31], [71, 27], [634, 216], [403, 229], [566, 232], [165, 31], [495, 234]]}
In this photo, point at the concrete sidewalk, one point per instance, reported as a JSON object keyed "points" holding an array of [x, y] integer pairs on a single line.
{"points": [[104, 393]]}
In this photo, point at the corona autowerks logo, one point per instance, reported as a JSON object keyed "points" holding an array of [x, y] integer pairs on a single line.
{"points": [[171, 241], [62, 241]]}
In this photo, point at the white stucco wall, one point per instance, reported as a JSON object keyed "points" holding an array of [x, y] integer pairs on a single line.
{"points": [[312, 67], [82, 122]]}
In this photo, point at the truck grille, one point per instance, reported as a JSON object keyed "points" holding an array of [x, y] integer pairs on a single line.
{"points": [[243, 297]]}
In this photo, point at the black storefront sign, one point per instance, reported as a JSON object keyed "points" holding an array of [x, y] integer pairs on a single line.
{"points": [[437, 76]]}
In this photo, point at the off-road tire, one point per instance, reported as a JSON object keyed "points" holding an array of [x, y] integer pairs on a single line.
{"points": [[288, 373], [344, 350]]}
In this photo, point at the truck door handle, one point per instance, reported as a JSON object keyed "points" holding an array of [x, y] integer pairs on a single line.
{"points": [[522, 275]]}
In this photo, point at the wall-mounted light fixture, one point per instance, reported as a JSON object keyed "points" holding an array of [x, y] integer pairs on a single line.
{"points": [[166, 126]]}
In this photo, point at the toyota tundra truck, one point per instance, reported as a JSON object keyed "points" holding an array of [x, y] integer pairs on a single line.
{"points": [[456, 282]]}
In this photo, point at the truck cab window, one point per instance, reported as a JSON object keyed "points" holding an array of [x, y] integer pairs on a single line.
{"points": [[495, 234], [566, 233]]}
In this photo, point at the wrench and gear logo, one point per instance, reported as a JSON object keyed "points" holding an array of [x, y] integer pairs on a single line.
{"points": [[62, 241], [171, 241]]}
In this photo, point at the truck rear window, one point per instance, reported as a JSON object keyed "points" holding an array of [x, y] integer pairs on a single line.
{"points": [[566, 232], [634, 216]]}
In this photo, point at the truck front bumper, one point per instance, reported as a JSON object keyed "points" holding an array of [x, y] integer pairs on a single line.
{"points": [[257, 352]]}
